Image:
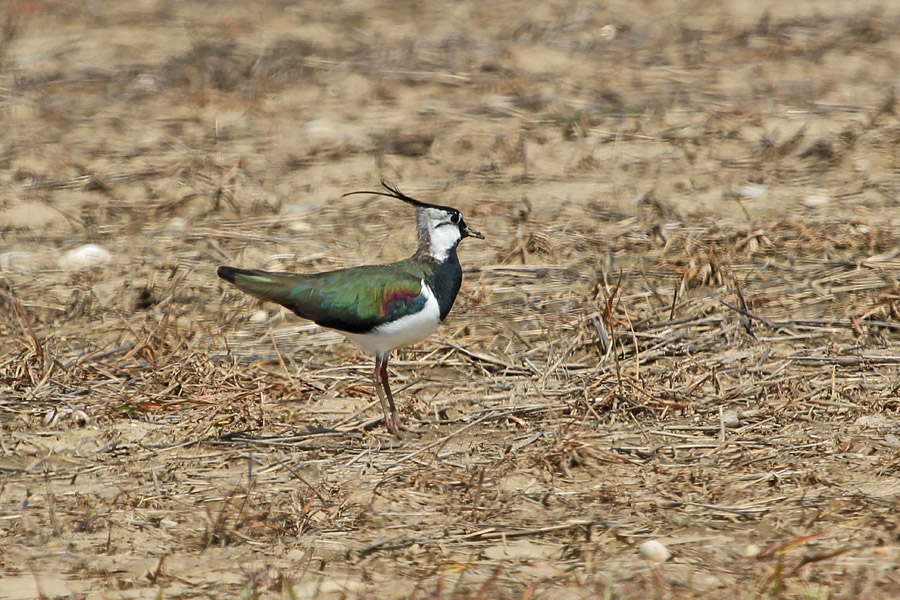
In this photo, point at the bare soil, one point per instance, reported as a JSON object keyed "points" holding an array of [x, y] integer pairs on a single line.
{"points": [[683, 325]]}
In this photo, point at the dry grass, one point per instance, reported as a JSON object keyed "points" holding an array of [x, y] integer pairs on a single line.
{"points": [[683, 325]]}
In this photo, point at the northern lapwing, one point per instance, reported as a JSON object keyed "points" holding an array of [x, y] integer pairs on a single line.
{"points": [[379, 308]]}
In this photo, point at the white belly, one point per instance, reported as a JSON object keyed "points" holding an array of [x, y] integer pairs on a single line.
{"points": [[402, 332]]}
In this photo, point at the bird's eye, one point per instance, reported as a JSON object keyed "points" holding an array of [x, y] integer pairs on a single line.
{"points": [[454, 218]]}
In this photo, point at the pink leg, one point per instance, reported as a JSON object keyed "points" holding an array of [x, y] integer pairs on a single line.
{"points": [[391, 416]]}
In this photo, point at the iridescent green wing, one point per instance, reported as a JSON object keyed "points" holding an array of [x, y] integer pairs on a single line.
{"points": [[355, 300]]}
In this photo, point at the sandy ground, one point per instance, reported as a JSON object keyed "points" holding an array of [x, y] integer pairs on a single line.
{"points": [[683, 325]]}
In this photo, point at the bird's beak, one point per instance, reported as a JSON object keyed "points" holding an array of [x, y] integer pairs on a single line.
{"points": [[472, 233]]}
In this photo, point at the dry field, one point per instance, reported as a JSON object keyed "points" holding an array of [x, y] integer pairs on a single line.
{"points": [[684, 324]]}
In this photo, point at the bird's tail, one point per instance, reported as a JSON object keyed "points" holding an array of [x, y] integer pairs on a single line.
{"points": [[265, 285]]}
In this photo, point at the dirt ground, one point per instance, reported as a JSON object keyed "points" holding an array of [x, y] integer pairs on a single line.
{"points": [[683, 325]]}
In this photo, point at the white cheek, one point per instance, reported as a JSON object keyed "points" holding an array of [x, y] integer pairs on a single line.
{"points": [[443, 239]]}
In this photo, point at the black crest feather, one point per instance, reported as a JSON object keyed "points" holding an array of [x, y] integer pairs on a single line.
{"points": [[394, 192]]}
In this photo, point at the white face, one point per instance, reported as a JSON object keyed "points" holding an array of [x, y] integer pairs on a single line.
{"points": [[443, 232]]}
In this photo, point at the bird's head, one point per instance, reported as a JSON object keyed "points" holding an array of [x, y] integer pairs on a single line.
{"points": [[440, 228]]}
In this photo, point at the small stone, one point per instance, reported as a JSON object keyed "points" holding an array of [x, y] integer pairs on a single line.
{"points": [[259, 316], [176, 225], [816, 200], [730, 418], [654, 551], [298, 225], [751, 191], [873, 422], [752, 551], [608, 32], [84, 257]]}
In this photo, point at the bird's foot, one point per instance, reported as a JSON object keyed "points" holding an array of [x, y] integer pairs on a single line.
{"points": [[395, 425]]}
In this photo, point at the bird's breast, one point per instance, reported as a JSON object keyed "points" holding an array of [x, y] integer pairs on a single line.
{"points": [[404, 331]]}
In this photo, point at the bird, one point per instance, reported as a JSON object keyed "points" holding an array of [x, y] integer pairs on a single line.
{"points": [[378, 308]]}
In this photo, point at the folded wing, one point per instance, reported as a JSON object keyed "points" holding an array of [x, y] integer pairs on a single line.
{"points": [[354, 300]]}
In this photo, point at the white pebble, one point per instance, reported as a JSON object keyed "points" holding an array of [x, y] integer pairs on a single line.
{"points": [[751, 191], [299, 226], [816, 200], [873, 422], [654, 551], [176, 225], [752, 551], [259, 316], [730, 418], [84, 257], [608, 32]]}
